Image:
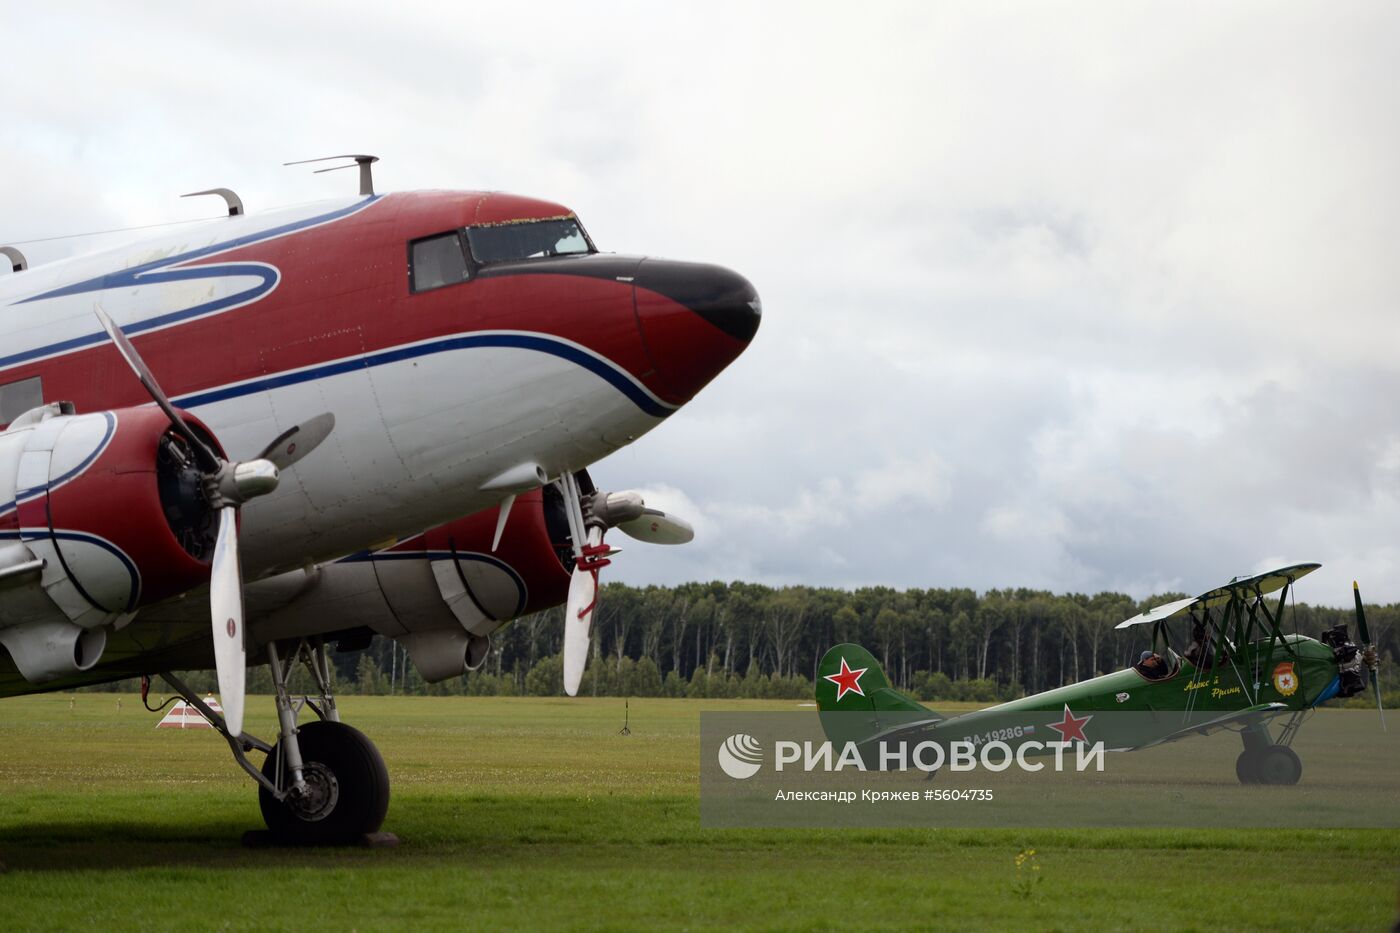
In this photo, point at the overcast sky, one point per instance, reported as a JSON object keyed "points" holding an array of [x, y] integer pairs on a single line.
{"points": [[1082, 297]]}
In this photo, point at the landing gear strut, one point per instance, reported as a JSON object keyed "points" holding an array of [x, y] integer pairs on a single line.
{"points": [[1263, 762], [323, 783]]}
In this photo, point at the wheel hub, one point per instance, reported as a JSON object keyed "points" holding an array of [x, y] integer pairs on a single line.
{"points": [[319, 799]]}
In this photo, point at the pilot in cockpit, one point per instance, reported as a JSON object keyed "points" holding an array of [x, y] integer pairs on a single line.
{"points": [[1152, 666], [1198, 652]]}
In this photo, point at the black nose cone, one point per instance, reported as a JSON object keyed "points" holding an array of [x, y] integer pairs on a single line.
{"points": [[721, 296]]}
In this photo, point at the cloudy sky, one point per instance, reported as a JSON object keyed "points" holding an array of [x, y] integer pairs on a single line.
{"points": [[1076, 296]]}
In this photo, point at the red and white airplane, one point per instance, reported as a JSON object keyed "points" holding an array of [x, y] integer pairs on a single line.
{"points": [[381, 407]]}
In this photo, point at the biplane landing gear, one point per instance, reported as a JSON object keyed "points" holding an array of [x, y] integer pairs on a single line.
{"points": [[1263, 762], [1273, 764], [323, 783]]}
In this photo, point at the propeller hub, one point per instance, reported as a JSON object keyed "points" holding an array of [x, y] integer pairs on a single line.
{"points": [[614, 508], [239, 482]]}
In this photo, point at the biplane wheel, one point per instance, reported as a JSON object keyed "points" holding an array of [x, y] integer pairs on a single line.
{"points": [[1247, 766], [1278, 764], [347, 788]]}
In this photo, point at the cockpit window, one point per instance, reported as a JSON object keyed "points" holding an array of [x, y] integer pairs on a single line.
{"points": [[528, 240], [437, 261]]}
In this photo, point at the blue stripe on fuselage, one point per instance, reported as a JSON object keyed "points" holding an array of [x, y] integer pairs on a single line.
{"points": [[537, 342]]}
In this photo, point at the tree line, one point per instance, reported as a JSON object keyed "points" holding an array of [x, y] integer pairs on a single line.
{"points": [[748, 640]]}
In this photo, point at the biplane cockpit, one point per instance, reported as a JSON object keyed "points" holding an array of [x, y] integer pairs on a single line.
{"points": [[1154, 667]]}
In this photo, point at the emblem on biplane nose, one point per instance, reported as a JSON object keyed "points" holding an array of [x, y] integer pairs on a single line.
{"points": [[1285, 681]]}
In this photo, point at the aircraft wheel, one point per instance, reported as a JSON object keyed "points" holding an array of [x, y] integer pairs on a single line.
{"points": [[1247, 766], [347, 788], [1278, 764]]}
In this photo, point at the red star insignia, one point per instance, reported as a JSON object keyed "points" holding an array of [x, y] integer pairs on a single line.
{"points": [[847, 681], [1071, 728]]}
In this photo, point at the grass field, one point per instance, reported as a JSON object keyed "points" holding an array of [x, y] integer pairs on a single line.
{"points": [[536, 813]]}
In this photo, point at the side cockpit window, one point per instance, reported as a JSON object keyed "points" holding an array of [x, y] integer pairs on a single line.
{"points": [[437, 261]]}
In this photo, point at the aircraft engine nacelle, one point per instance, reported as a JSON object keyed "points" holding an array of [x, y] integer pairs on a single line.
{"points": [[440, 594], [1351, 670], [101, 514]]}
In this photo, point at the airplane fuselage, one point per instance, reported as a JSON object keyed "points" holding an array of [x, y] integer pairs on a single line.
{"points": [[1298, 672]]}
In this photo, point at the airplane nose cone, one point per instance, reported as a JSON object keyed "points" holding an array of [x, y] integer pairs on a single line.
{"points": [[696, 319]]}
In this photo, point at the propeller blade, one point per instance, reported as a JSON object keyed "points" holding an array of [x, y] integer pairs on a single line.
{"points": [[1360, 615], [1365, 637], [226, 611], [298, 441], [578, 619], [656, 527], [208, 460]]}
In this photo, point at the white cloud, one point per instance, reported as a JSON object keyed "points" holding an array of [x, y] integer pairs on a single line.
{"points": [[926, 481]]}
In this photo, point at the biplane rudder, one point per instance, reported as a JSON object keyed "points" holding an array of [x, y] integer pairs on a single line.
{"points": [[849, 679]]}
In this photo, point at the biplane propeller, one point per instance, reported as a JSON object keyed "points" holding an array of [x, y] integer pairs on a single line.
{"points": [[1368, 650]]}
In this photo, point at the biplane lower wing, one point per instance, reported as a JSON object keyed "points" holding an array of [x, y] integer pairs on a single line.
{"points": [[1248, 716]]}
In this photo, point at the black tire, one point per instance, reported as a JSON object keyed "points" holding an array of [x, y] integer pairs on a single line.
{"points": [[1247, 766], [1279, 765], [350, 788]]}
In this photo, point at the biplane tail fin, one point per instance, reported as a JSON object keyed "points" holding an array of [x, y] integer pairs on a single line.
{"points": [[849, 679]]}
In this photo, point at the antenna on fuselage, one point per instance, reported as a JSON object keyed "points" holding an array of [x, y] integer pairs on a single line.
{"points": [[17, 261], [363, 161], [234, 202]]}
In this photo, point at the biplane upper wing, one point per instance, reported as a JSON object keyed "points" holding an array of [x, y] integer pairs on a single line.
{"points": [[1159, 613], [1260, 584]]}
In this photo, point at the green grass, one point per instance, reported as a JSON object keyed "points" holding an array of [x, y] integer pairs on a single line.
{"points": [[530, 813]]}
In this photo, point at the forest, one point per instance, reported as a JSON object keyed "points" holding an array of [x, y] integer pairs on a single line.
{"points": [[748, 640]]}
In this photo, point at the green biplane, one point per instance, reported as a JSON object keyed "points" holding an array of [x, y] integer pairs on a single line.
{"points": [[1237, 670]]}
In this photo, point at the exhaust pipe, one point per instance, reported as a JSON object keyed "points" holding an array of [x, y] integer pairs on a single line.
{"points": [[45, 651]]}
